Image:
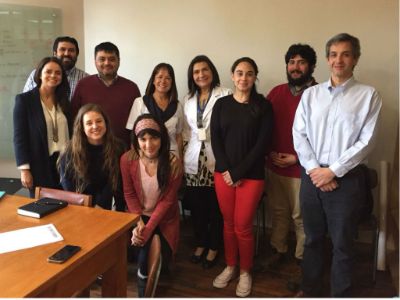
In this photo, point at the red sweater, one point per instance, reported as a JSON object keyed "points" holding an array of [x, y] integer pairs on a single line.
{"points": [[116, 100], [284, 106], [166, 212]]}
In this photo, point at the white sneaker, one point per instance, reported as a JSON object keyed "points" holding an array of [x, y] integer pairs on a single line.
{"points": [[243, 289], [223, 279]]}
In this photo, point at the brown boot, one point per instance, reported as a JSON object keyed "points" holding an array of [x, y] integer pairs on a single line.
{"points": [[276, 260], [294, 281]]}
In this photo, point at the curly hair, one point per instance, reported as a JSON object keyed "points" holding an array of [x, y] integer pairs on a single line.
{"points": [[304, 50]]}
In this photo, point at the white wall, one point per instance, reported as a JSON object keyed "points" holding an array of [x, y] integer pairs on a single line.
{"points": [[174, 31]]}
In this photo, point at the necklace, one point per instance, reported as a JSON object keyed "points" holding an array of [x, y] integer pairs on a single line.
{"points": [[147, 160], [54, 125]]}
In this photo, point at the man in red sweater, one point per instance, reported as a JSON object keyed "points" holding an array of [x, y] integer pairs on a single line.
{"points": [[283, 169], [114, 93]]}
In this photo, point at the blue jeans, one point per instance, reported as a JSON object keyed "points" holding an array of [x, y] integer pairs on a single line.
{"points": [[334, 213], [143, 254]]}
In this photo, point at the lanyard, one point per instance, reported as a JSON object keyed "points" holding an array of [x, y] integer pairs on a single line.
{"points": [[200, 110]]}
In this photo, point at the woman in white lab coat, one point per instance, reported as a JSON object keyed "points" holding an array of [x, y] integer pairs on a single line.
{"points": [[204, 91]]}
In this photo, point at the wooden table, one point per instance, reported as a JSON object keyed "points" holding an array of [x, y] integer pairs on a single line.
{"points": [[102, 234]]}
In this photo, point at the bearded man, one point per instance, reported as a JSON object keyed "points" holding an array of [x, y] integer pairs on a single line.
{"points": [[283, 169], [66, 49]]}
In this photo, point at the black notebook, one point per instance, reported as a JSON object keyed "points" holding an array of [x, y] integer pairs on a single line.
{"points": [[41, 207]]}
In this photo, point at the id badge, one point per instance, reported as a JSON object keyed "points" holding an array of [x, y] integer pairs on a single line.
{"points": [[202, 134]]}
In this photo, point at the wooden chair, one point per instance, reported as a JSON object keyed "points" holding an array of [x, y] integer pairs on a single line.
{"points": [[370, 224], [153, 266], [70, 197]]}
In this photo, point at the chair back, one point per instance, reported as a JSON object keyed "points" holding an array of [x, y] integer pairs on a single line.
{"points": [[153, 266], [368, 181], [70, 197]]}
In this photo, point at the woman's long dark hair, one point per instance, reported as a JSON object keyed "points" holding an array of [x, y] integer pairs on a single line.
{"points": [[173, 92], [255, 97], [193, 88], [163, 167], [62, 90], [77, 152]]}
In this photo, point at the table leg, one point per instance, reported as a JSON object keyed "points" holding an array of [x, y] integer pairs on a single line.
{"points": [[114, 283]]}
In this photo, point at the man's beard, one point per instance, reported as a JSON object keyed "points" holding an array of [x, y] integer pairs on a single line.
{"points": [[68, 64], [302, 80]]}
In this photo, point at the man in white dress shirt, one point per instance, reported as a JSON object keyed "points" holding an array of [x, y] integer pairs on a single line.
{"points": [[66, 49], [333, 132]]}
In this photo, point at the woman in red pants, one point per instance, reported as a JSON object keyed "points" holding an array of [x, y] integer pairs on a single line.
{"points": [[241, 126]]}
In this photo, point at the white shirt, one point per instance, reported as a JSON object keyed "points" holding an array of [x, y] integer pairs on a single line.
{"points": [[174, 124], [190, 134], [335, 126], [63, 135]]}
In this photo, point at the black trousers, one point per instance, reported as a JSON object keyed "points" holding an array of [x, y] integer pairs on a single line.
{"points": [[55, 176], [206, 216], [334, 213]]}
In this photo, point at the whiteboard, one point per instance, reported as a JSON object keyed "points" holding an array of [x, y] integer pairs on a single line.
{"points": [[27, 34]]}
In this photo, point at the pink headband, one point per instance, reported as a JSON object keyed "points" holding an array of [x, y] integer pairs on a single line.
{"points": [[146, 124]]}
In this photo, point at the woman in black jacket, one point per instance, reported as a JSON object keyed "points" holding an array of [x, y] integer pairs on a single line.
{"points": [[41, 126]]}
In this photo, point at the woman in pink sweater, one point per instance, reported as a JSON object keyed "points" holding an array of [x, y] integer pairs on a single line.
{"points": [[150, 190]]}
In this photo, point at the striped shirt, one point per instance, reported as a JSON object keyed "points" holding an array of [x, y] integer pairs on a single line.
{"points": [[73, 75]]}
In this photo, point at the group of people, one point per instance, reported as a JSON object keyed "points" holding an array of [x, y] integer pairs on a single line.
{"points": [[301, 144]]}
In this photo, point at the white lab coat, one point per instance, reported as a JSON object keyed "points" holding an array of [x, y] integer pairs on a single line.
{"points": [[190, 133]]}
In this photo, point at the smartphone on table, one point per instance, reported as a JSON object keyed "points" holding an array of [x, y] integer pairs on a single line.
{"points": [[63, 254]]}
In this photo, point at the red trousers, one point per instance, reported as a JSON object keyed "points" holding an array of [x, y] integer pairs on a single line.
{"points": [[238, 206]]}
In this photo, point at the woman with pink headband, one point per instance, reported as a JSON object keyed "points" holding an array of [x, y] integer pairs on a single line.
{"points": [[150, 190]]}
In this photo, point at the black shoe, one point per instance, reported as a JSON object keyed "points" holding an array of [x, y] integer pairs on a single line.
{"points": [[208, 264], [197, 258], [99, 279], [141, 287]]}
